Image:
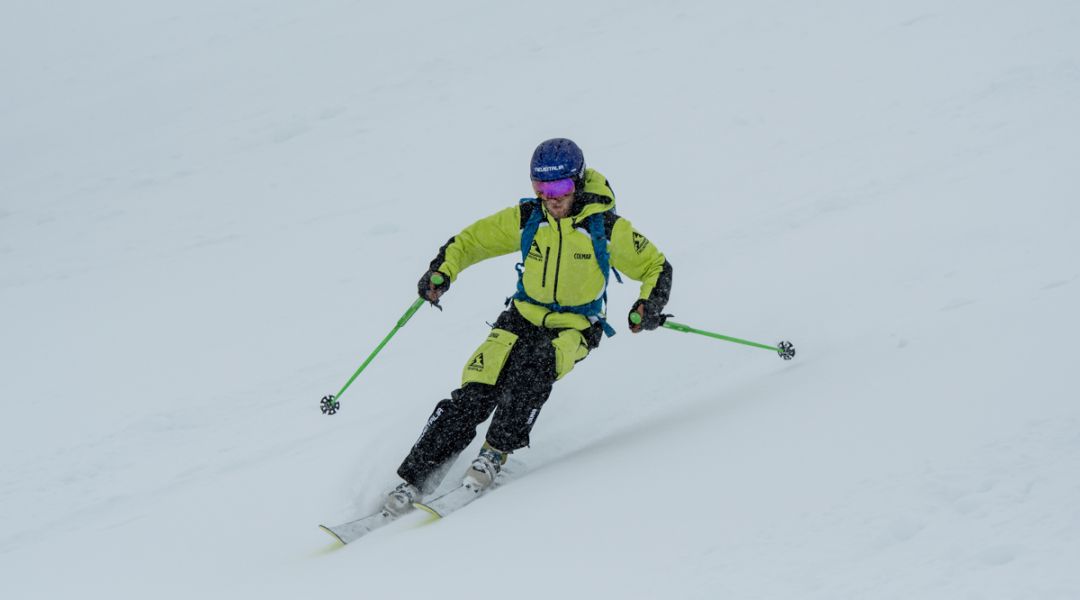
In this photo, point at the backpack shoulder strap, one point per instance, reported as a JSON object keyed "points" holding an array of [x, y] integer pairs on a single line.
{"points": [[531, 215], [600, 226], [599, 241], [596, 224]]}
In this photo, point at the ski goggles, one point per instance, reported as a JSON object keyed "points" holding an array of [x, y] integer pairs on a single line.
{"points": [[554, 189]]}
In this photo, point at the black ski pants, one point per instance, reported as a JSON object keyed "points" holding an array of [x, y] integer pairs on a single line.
{"points": [[521, 389]]}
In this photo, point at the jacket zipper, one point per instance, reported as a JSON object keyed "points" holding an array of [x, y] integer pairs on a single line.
{"points": [[558, 263], [547, 255]]}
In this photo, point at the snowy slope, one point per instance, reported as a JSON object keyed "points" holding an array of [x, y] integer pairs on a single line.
{"points": [[211, 213]]}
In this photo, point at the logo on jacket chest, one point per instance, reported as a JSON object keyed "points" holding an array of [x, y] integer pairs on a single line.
{"points": [[576, 250]]}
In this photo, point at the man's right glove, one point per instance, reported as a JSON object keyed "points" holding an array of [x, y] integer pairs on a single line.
{"points": [[431, 291], [650, 316]]}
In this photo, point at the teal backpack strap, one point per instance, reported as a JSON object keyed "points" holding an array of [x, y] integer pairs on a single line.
{"points": [[528, 231], [528, 234], [603, 258]]}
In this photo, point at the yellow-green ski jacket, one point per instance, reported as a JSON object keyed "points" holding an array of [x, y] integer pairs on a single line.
{"points": [[560, 267]]}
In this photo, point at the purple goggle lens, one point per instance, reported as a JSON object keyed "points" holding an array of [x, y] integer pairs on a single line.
{"points": [[554, 189]]}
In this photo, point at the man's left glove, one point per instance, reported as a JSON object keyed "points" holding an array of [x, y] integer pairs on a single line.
{"points": [[651, 316], [431, 291]]}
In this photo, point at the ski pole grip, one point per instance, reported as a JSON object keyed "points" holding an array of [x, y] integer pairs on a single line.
{"points": [[635, 318], [437, 279]]}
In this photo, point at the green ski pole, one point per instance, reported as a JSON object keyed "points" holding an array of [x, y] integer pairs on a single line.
{"points": [[330, 404], [785, 349]]}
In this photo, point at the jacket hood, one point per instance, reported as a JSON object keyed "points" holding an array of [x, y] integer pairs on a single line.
{"points": [[595, 197]]}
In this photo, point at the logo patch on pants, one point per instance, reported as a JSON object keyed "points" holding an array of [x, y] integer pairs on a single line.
{"points": [[489, 359], [478, 363]]}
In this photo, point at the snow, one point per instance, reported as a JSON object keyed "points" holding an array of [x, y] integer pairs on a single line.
{"points": [[210, 213]]}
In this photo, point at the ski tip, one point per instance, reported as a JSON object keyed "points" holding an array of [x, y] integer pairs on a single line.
{"points": [[332, 534], [427, 509]]}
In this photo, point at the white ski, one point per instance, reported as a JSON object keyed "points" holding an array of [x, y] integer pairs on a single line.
{"points": [[354, 530], [450, 501], [440, 506]]}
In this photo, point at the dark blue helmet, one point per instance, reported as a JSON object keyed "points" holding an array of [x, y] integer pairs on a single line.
{"points": [[557, 158]]}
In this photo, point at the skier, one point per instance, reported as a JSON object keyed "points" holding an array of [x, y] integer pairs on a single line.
{"points": [[569, 237]]}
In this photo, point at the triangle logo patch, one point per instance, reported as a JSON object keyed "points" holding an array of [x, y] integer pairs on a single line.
{"points": [[640, 242], [477, 363]]}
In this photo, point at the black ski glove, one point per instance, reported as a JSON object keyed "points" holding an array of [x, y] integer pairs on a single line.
{"points": [[431, 291], [651, 316], [593, 335]]}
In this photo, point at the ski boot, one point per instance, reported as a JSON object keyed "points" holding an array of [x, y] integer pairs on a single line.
{"points": [[400, 500], [484, 468]]}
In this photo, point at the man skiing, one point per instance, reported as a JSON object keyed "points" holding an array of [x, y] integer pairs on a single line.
{"points": [[570, 238]]}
